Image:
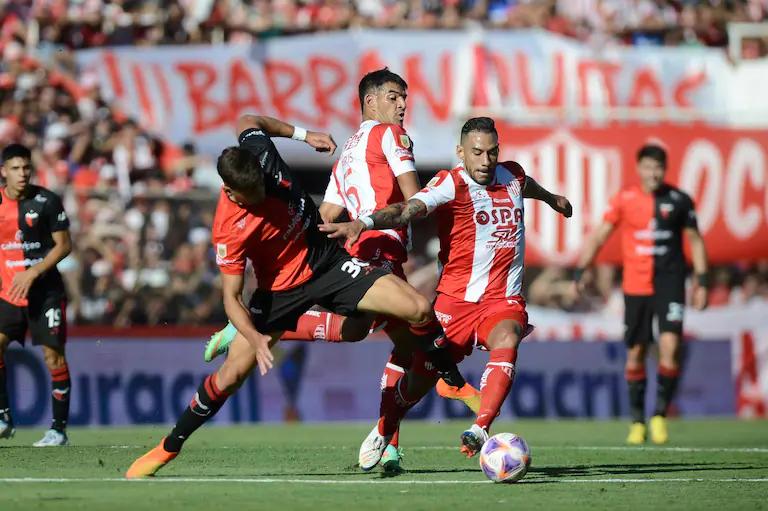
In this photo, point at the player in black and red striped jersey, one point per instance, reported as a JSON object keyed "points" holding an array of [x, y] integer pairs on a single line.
{"points": [[34, 237], [264, 216]]}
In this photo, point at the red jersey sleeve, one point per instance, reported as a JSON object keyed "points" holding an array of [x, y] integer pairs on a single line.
{"points": [[229, 247], [612, 214]]}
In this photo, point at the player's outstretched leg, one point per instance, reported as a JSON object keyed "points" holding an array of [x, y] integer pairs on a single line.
{"points": [[496, 382], [209, 398], [312, 326], [61, 386]]}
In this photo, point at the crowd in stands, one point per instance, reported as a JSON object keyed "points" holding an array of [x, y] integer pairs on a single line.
{"points": [[88, 23], [142, 208]]}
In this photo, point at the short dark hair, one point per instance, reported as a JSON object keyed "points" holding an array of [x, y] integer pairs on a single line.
{"points": [[16, 151], [481, 124], [655, 152], [376, 79], [240, 169]]}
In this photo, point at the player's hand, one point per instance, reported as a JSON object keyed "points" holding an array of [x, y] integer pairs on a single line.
{"points": [[22, 281], [322, 142], [700, 298], [349, 230], [264, 357], [561, 205]]}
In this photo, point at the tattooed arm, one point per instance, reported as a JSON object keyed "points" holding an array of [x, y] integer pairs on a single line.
{"points": [[390, 217], [533, 190]]}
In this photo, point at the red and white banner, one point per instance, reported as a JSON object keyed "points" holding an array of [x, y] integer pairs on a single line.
{"points": [[197, 92], [597, 109], [724, 170]]}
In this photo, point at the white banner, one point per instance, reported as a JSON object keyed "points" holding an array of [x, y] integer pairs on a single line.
{"points": [[197, 92]]}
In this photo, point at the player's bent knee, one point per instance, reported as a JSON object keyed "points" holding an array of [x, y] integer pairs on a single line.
{"points": [[422, 309]]}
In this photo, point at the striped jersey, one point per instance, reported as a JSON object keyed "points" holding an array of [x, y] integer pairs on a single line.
{"points": [[481, 230], [364, 178]]}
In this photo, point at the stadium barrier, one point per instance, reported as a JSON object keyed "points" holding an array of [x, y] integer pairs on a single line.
{"points": [[572, 367]]}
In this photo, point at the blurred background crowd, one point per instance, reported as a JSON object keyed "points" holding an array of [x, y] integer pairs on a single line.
{"points": [[88, 23], [142, 207]]}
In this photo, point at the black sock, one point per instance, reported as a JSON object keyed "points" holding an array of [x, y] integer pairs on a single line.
{"points": [[5, 408], [446, 367], [666, 389], [431, 339], [61, 390], [636, 382], [204, 405]]}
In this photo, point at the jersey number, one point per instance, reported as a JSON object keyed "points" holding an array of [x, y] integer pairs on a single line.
{"points": [[353, 267], [54, 317]]}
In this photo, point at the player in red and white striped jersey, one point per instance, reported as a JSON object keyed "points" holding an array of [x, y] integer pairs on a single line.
{"points": [[375, 169], [479, 206]]}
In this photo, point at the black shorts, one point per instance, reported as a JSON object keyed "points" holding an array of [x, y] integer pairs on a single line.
{"points": [[45, 316], [667, 304], [338, 287]]}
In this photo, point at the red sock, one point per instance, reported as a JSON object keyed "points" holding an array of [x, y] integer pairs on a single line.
{"points": [[317, 326], [393, 371], [395, 403], [495, 384]]}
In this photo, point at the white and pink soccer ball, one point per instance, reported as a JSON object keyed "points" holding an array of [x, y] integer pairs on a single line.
{"points": [[505, 458]]}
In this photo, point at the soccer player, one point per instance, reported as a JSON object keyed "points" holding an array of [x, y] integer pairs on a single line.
{"points": [[479, 209], [34, 237], [264, 216], [653, 216], [375, 169]]}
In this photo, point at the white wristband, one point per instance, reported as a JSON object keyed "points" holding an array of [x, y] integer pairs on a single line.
{"points": [[299, 134], [367, 221]]}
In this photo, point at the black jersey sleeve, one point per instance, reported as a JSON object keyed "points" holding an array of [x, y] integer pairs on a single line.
{"points": [[689, 212], [54, 213], [277, 174]]}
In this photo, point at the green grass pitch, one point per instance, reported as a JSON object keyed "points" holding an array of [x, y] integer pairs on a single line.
{"points": [[712, 464]]}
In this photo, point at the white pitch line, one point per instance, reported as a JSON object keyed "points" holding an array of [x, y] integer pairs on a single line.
{"points": [[254, 480], [746, 450], [753, 450]]}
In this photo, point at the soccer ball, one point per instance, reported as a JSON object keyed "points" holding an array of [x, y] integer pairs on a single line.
{"points": [[505, 458]]}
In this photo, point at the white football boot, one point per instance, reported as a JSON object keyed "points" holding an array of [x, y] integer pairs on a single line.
{"points": [[472, 440], [52, 438], [372, 449]]}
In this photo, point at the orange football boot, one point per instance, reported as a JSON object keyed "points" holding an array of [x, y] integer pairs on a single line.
{"points": [[467, 394], [151, 462]]}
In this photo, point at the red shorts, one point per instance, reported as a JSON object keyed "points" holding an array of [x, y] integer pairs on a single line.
{"points": [[469, 324]]}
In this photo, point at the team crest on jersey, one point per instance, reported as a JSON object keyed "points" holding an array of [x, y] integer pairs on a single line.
{"points": [[221, 250], [405, 141], [31, 218], [665, 209], [513, 188]]}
